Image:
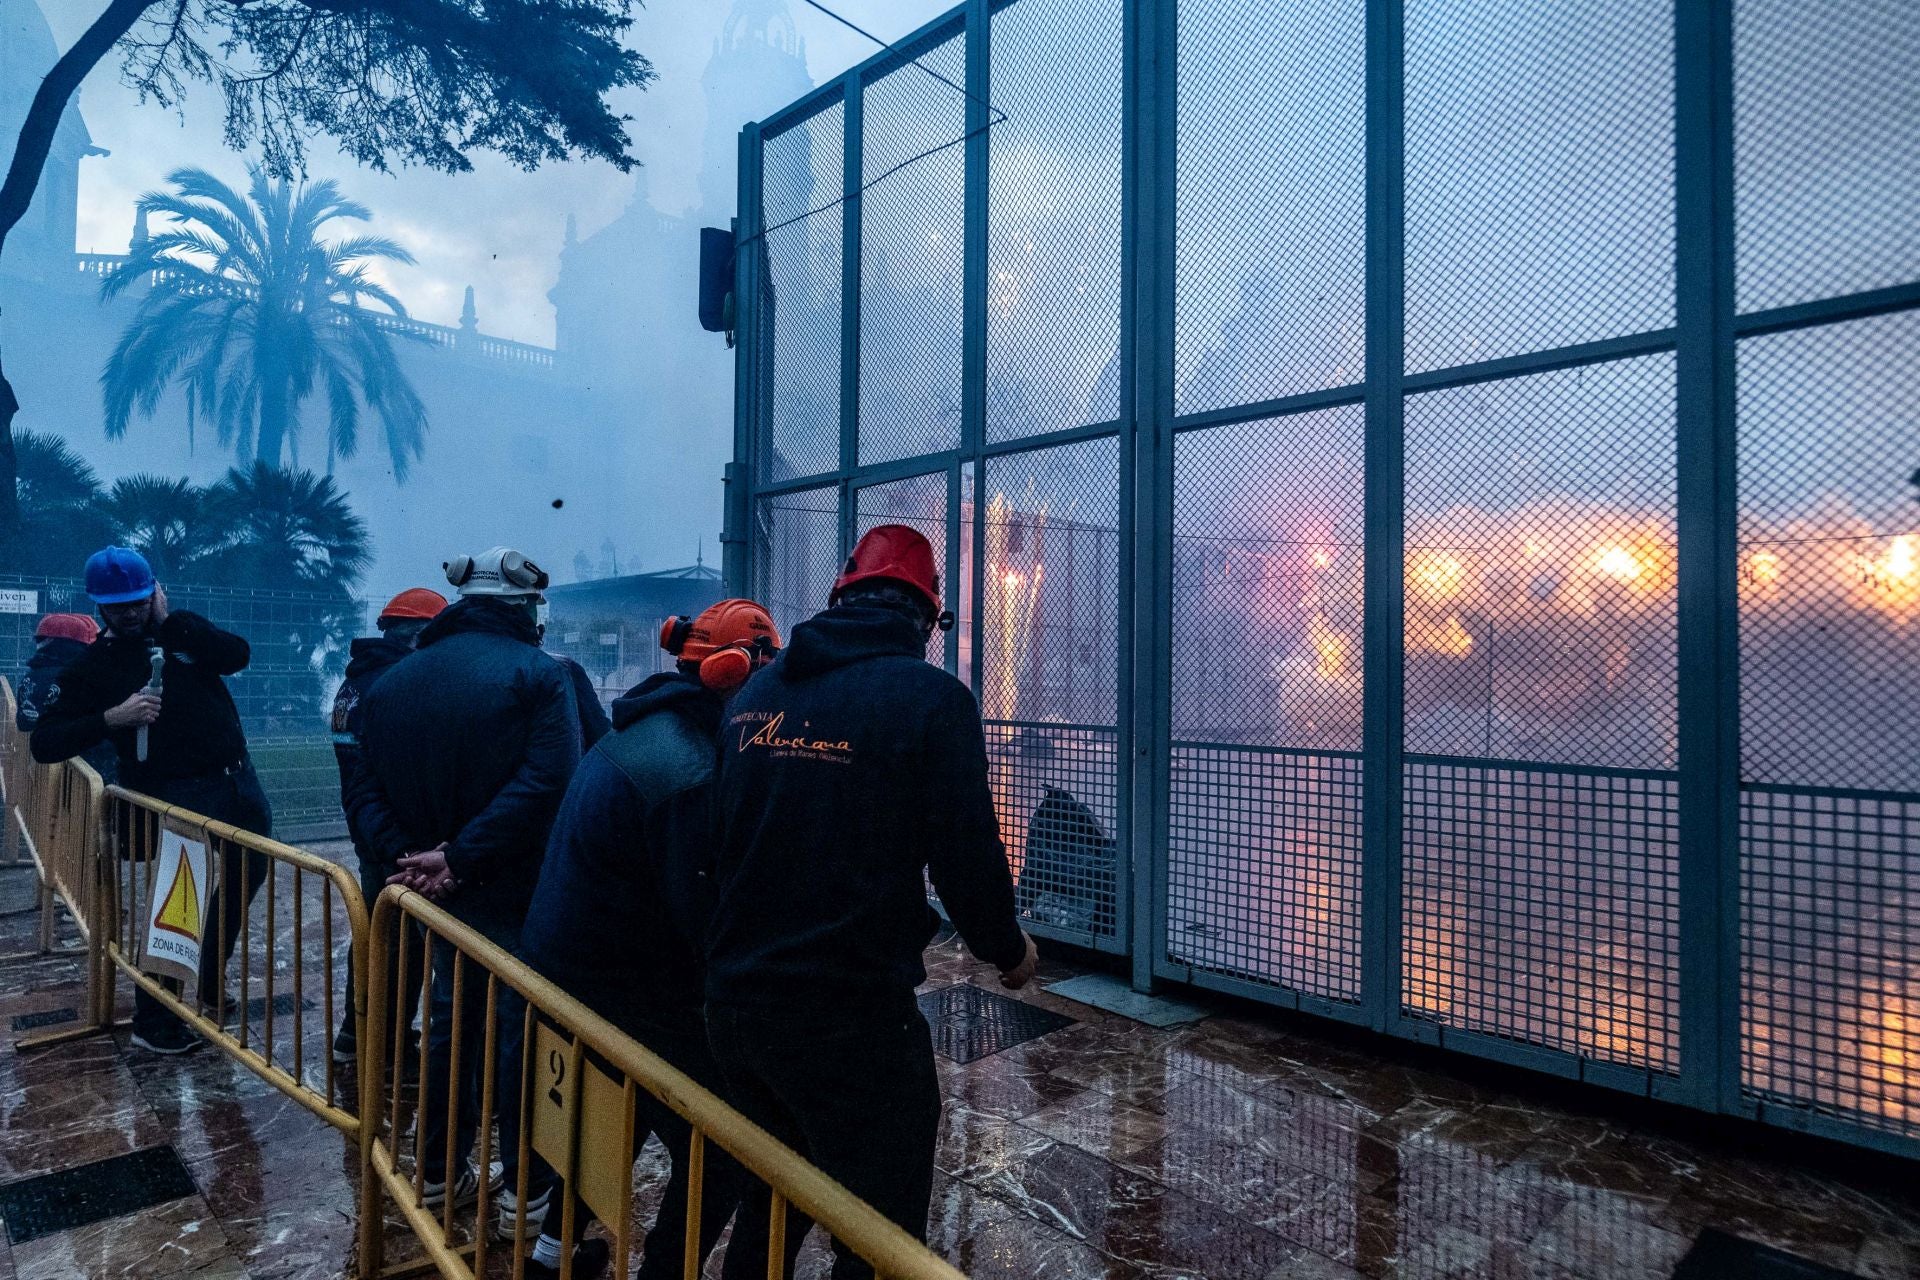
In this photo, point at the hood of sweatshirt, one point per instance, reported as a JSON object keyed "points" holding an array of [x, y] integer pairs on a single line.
{"points": [[848, 634]]}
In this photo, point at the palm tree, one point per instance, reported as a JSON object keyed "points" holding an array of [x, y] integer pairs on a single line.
{"points": [[60, 520], [163, 520], [251, 313], [286, 529]]}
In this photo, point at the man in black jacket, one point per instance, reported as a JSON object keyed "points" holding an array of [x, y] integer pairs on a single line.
{"points": [[466, 749], [57, 642], [849, 768], [633, 844], [370, 657], [194, 752]]}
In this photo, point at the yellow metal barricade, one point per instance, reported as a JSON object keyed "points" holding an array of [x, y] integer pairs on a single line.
{"points": [[292, 940], [52, 819], [578, 1109]]}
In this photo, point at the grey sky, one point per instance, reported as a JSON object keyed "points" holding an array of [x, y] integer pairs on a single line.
{"points": [[497, 228]]}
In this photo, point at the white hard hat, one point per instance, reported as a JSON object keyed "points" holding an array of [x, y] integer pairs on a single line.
{"points": [[497, 571]]}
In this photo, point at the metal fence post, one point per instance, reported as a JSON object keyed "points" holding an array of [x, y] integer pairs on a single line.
{"points": [[736, 538], [1147, 256], [852, 173], [1709, 743], [1383, 643], [973, 319]]}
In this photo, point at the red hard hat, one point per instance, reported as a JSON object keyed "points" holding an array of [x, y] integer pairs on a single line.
{"points": [[67, 626], [414, 602], [896, 553]]}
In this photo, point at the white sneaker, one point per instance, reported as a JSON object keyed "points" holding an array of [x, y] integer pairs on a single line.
{"points": [[466, 1188], [510, 1210]]}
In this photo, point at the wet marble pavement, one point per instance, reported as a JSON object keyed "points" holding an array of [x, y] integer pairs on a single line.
{"points": [[1242, 1145]]}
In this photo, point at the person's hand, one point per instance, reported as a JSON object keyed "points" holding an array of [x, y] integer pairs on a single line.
{"points": [[1021, 974], [141, 708], [426, 873], [159, 605]]}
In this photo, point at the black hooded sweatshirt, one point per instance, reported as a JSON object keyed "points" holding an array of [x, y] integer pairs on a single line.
{"points": [[469, 741], [369, 658], [624, 893], [198, 733], [51, 657], [847, 768]]}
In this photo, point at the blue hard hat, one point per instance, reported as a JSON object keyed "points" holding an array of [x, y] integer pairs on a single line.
{"points": [[118, 575]]}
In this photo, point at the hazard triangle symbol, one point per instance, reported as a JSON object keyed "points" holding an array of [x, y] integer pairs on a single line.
{"points": [[180, 913]]}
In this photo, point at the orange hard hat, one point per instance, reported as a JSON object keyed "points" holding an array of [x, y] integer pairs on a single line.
{"points": [[67, 626], [728, 642], [414, 602], [896, 553]]}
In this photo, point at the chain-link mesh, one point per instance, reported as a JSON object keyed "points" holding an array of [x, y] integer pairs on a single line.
{"points": [[1271, 230], [919, 502], [1263, 875], [1263, 866], [298, 642], [1540, 626], [912, 236], [1829, 604], [1539, 175], [1051, 649], [1540, 568], [1049, 674], [1826, 148], [1055, 790], [796, 554], [1543, 906], [1053, 242], [1830, 954], [1830, 555], [801, 171]]}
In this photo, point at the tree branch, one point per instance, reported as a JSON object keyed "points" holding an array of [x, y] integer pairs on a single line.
{"points": [[50, 101]]}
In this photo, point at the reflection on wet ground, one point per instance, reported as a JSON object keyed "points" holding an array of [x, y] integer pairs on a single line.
{"points": [[1242, 1145]]}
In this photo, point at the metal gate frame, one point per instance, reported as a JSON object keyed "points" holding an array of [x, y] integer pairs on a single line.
{"points": [[1702, 341]]}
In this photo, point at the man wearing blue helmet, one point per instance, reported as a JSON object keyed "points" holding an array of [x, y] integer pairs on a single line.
{"points": [[195, 752]]}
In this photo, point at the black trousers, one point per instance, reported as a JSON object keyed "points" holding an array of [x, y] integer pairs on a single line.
{"points": [[230, 797], [402, 1004], [856, 1093]]}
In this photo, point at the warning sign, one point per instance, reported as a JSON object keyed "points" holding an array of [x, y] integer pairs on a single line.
{"points": [[177, 913]]}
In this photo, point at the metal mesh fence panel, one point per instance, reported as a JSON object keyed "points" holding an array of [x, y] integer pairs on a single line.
{"points": [[912, 236], [1562, 175], [298, 642], [801, 171], [919, 502], [1263, 867], [1830, 954], [1829, 599], [1543, 906], [796, 554], [1826, 148], [1263, 874], [1540, 568], [1830, 555], [1270, 231], [1049, 676], [1053, 242], [1540, 627], [1540, 175]]}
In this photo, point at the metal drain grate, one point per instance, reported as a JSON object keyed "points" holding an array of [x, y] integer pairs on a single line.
{"points": [[970, 1023], [112, 1188], [44, 1018], [1718, 1256]]}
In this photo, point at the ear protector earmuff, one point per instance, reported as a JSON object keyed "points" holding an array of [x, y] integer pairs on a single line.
{"points": [[459, 570], [522, 572], [725, 670], [673, 634]]}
